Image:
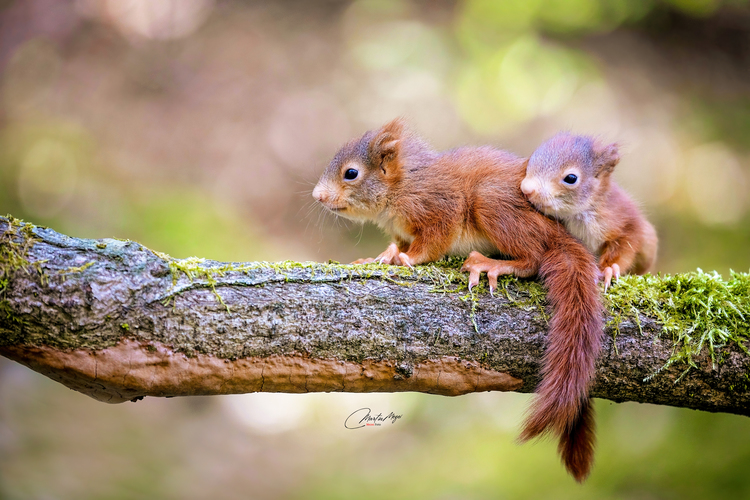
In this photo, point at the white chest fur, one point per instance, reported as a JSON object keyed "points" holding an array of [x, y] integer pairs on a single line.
{"points": [[587, 228], [466, 242], [394, 228]]}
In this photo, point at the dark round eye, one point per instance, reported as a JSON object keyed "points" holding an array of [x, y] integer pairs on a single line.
{"points": [[351, 174], [570, 179]]}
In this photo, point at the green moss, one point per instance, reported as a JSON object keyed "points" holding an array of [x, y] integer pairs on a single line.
{"points": [[192, 268], [125, 326], [101, 245], [15, 243], [12, 251], [444, 276], [6, 311], [700, 311], [473, 297], [71, 270]]}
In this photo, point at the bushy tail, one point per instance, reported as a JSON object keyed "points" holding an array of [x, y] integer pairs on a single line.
{"points": [[562, 405], [577, 446]]}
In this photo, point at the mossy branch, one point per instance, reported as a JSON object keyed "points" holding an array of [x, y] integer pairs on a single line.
{"points": [[117, 321]]}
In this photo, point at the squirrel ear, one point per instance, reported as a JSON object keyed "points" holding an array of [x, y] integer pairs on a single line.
{"points": [[606, 157], [386, 145]]}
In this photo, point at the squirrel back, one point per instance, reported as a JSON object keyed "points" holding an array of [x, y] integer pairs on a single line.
{"points": [[435, 204]]}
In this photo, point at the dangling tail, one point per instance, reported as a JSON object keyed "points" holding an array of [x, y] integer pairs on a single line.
{"points": [[577, 446], [562, 405]]}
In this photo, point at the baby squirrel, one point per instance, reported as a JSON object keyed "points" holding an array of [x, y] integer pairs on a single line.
{"points": [[569, 178], [435, 204]]}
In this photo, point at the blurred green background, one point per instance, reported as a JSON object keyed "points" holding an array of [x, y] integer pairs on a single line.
{"points": [[198, 127]]}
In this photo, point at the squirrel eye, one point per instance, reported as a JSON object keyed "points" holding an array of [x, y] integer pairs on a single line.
{"points": [[570, 179], [351, 174]]}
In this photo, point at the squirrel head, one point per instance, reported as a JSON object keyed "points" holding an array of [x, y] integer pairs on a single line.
{"points": [[566, 173], [357, 183]]}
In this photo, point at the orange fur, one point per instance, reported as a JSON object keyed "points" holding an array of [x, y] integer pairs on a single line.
{"points": [[469, 199], [631, 241]]}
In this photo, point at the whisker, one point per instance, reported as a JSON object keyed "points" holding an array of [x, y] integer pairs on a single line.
{"points": [[361, 232]]}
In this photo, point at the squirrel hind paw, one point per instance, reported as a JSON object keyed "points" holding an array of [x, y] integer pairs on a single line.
{"points": [[476, 264]]}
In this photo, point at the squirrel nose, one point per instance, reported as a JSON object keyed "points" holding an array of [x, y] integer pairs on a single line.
{"points": [[529, 186], [320, 193]]}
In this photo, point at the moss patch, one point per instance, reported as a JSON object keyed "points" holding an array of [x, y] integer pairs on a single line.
{"points": [[15, 243], [73, 270], [444, 276], [700, 311], [192, 267]]}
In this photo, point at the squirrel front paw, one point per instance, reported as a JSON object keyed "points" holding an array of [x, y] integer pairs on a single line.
{"points": [[609, 273], [389, 256], [404, 260]]}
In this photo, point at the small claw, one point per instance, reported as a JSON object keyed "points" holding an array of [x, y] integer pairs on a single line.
{"points": [[405, 261], [492, 291], [607, 278], [616, 271], [492, 278], [471, 285]]}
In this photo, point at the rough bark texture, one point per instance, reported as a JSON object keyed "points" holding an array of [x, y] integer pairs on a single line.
{"points": [[116, 321]]}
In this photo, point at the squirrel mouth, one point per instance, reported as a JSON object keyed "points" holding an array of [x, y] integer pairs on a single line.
{"points": [[533, 200], [538, 202]]}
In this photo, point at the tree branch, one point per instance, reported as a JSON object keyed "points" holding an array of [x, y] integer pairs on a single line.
{"points": [[117, 321]]}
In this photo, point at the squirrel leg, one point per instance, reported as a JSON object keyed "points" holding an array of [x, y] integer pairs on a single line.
{"points": [[424, 248], [617, 257], [477, 263]]}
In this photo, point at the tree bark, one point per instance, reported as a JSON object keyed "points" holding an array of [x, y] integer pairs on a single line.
{"points": [[117, 321]]}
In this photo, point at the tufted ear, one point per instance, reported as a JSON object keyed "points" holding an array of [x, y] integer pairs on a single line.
{"points": [[606, 157], [385, 146]]}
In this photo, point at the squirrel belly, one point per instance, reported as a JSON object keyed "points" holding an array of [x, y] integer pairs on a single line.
{"points": [[433, 204]]}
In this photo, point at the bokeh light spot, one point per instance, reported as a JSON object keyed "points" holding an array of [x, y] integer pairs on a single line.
{"points": [[268, 413], [158, 19]]}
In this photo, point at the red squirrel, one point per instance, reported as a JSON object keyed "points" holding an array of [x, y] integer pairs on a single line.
{"points": [[469, 200], [569, 178]]}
